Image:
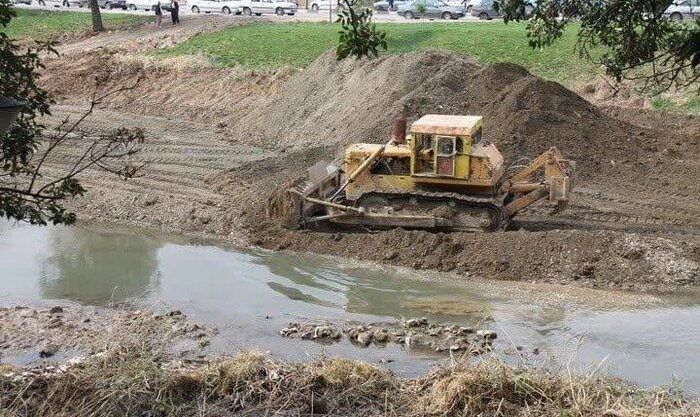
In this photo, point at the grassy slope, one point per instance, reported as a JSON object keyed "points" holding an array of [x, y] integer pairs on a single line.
{"points": [[45, 24], [297, 44]]}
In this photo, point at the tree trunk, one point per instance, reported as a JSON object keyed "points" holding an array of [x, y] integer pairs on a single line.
{"points": [[96, 17]]}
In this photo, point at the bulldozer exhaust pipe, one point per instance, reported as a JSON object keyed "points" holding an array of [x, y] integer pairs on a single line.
{"points": [[398, 130]]}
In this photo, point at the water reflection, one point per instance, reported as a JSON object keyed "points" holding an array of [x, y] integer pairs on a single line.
{"points": [[372, 291], [96, 268]]}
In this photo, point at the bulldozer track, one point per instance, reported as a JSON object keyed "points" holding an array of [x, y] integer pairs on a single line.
{"points": [[493, 204]]}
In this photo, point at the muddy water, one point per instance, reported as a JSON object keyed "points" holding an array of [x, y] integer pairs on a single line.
{"points": [[250, 296]]}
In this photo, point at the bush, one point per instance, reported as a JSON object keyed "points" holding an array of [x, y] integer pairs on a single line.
{"points": [[359, 36]]}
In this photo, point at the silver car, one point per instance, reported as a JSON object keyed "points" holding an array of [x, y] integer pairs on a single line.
{"points": [[383, 5], [430, 9], [683, 9]]}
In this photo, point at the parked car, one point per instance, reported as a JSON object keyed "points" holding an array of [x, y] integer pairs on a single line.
{"points": [[430, 8], [484, 10], [469, 5], [683, 9], [317, 5], [383, 5], [59, 3], [215, 6], [259, 7], [27, 2], [106, 4], [149, 5]]}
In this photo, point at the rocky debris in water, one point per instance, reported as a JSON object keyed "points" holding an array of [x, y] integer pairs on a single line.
{"points": [[487, 334], [416, 333], [318, 332]]}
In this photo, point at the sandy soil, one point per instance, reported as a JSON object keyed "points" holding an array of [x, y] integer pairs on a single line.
{"points": [[220, 141]]}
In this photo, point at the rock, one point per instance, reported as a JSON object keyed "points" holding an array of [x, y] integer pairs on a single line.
{"points": [[381, 336], [415, 322], [203, 342], [55, 322], [56, 310], [48, 350], [364, 338], [487, 334], [326, 332], [175, 314], [390, 255], [417, 340], [289, 331], [464, 331]]}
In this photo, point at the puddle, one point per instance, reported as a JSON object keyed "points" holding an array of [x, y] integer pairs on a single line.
{"points": [[250, 296]]}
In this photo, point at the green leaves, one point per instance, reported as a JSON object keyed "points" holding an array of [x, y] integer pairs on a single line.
{"points": [[358, 36], [637, 41]]}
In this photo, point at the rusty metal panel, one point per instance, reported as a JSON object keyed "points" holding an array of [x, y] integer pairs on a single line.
{"points": [[446, 165]]}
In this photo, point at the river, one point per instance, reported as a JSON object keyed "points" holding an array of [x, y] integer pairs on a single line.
{"points": [[250, 296]]}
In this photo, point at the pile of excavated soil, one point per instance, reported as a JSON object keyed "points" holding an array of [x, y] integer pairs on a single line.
{"points": [[335, 103], [631, 176]]}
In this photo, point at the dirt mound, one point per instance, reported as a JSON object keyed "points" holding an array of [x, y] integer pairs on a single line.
{"points": [[331, 104]]}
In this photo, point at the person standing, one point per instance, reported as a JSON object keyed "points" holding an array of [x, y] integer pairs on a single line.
{"points": [[159, 15], [175, 12], [391, 5]]}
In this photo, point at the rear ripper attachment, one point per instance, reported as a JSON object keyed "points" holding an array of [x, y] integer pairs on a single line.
{"points": [[440, 176]]}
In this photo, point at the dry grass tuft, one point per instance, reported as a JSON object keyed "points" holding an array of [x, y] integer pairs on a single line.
{"points": [[339, 371], [243, 366], [134, 381]]}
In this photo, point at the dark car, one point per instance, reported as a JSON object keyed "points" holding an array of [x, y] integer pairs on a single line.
{"points": [[430, 9], [484, 10]]}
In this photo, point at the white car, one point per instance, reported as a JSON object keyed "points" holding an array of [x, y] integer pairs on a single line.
{"points": [[317, 5], [683, 9], [60, 3], [215, 6], [149, 5], [259, 7]]}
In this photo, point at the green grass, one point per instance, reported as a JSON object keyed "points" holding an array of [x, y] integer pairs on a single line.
{"points": [[265, 45], [684, 105], [47, 24]]}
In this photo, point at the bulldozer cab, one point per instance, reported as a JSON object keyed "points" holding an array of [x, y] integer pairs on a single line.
{"points": [[441, 145]]}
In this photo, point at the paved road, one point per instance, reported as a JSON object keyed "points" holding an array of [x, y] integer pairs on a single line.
{"points": [[302, 15]]}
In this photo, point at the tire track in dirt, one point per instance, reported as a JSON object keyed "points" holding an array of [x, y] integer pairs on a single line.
{"points": [[173, 192]]}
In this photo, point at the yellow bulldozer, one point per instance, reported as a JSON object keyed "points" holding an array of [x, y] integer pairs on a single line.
{"points": [[441, 176]]}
